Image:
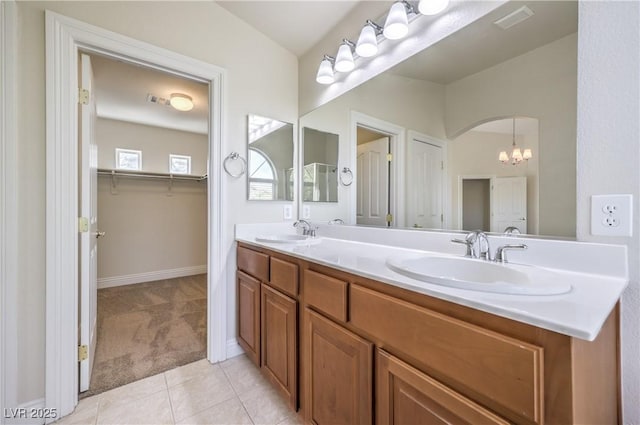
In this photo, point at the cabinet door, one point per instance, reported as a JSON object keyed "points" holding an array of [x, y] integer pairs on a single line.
{"points": [[405, 395], [338, 374], [249, 316], [279, 342]]}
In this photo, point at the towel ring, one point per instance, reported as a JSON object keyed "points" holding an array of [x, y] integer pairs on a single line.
{"points": [[346, 176], [232, 157]]}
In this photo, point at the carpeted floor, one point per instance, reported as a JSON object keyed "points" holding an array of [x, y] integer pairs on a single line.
{"points": [[148, 328]]}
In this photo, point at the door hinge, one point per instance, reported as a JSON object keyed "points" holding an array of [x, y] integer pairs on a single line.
{"points": [[83, 352], [83, 224], [83, 96], [389, 157], [441, 218], [389, 218], [442, 165]]}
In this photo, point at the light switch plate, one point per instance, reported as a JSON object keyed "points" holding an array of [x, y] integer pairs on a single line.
{"points": [[306, 212], [612, 215]]}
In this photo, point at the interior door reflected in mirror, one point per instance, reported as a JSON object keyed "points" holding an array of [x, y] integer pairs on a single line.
{"points": [[270, 159], [320, 170]]}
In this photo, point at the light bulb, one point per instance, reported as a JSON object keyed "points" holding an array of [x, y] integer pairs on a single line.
{"points": [[344, 59], [367, 45], [325, 72], [432, 7], [397, 24], [181, 102]]}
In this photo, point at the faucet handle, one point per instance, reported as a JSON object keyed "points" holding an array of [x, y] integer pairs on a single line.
{"points": [[464, 242], [501, 252]]}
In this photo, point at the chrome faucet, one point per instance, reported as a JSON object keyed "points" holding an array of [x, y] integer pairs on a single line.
{"points": [[477, 244], [307, 228]]}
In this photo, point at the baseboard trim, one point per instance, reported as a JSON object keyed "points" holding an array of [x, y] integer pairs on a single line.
{"points": [[29, 413], [109, 282], [233, 348]]}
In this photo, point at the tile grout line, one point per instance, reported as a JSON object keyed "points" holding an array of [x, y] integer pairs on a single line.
{"points": [[237, 395], [166, 384]]}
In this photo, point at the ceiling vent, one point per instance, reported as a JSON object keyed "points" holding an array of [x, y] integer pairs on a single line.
{"points": [[152, 98], [514, 18]]}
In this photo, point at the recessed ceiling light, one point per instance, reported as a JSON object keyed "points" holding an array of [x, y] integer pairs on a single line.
{"points": [[181, 101]]}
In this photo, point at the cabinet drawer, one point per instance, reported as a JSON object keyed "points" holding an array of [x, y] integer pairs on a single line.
{"points": [[502, 373], [326, 294], [405, 395], [253, 262], [284, 276]]}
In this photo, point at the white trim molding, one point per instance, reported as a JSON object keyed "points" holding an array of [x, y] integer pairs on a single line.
{"points": [[398, 146], [233, 348], [130, 279], [65, 37], [8, 208]]}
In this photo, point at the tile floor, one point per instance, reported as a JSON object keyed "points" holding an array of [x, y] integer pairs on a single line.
{"points": [[231, 392]]}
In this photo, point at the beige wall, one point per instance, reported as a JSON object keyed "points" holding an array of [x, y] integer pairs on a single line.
{"points": [[475, 153], [539, 84], [149, 228], [609, 152], [261, 78], [155, 143]]}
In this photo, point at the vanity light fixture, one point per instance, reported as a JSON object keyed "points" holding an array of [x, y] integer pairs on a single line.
{"points": [[181, 101], [344, 58], [432, 7], [396, 27], [367, 45], [397, 24], [517, 156], [325, 71]]}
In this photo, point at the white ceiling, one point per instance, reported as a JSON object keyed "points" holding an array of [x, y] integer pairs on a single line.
{"points": [[482, 44], [121, 91], [295, 25]]}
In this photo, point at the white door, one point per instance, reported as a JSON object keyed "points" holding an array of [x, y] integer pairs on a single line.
{"points": [[425, 182], [89, 211], [509, 204], [373, 183]]}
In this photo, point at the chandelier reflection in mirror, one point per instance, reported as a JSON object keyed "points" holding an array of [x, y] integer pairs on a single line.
{"points": [[396, 27], [517, 155]]}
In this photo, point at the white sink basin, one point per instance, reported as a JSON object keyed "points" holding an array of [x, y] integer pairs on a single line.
{"points": [[479, 275], [288, 239]]}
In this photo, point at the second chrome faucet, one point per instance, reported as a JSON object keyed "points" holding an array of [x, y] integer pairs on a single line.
{"points": [[477, 244]]}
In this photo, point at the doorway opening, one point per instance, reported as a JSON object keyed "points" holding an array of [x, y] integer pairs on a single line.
{"points": [[65, 38], [143, 258], [476, 204]]}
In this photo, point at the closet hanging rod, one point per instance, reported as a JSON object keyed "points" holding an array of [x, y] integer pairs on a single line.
{"points": [[149, 175]]}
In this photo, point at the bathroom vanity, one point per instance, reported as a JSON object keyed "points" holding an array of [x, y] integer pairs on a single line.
{"points": [[350, 344]]}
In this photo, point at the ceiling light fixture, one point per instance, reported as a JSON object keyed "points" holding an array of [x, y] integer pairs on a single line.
{"points": [[181, 101], [397, 24], [432, 7], [367, 45], [344, 58], [517, 156], [325, 71]]}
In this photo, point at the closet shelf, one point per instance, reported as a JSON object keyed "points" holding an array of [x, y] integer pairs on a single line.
{"points": [[149, 175]]}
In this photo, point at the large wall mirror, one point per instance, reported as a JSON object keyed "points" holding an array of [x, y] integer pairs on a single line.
{"points": [[270, 171], [431, 141], [320, 166]]}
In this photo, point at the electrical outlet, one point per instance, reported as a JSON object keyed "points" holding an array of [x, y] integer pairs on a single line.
{"points": [[287, 212], [306, 212], [611, 215]]}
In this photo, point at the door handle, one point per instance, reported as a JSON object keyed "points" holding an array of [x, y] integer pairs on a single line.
{"points": [[100, 234]]}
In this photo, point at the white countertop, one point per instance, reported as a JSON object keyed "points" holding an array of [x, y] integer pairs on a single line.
{"points": [[579, 313]]}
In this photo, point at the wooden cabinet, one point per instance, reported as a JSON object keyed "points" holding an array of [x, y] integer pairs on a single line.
{"points": [[405, 395], [339, 368], [313, 330], [280, 342], [249, 315]]}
